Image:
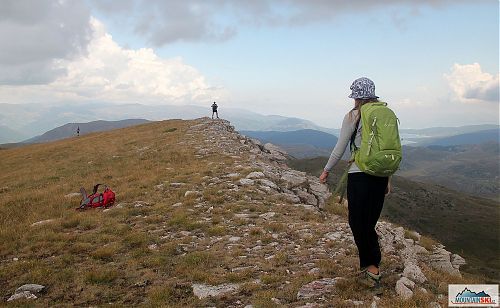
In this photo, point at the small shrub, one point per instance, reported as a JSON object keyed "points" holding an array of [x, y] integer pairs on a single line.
{"points": [[173, 293], [411, 235], [170, 130], [427, 242], [101, 276], [105, 253], [135, 240]]}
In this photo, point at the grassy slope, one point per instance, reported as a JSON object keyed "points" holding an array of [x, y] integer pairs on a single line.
{"points": [[467, 225], [150, 255]]}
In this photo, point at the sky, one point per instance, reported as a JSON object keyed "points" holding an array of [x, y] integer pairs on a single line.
{"points": [[435, 62]]}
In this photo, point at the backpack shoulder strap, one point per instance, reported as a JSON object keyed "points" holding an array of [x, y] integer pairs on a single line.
{"points": [[352, 146]]}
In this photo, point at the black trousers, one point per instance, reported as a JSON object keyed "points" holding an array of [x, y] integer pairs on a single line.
{"points": [[365, 196]]}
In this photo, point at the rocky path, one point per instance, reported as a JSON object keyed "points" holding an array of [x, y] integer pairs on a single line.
{"points": [[281, 230]]}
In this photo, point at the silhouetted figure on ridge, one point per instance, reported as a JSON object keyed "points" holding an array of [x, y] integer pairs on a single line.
{"points": [[78, 131], [214, 110]]}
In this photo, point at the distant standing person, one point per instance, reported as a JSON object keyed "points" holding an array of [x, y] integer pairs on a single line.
{"points": [[214, 110], [367, 182], [78, 131]]}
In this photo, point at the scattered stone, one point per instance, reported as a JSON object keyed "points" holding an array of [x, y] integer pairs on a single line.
{"points": [[22, 295], [440, 260], [255, 175], [314, 271], [267, 215], [141, 203], [142, 284], [246, 182], [153, 247], [73, 195], [177, 185], [192, 193], [268, 183], [457, 261], [42, 222], [413, 272], [291, 198], [293, 178], [159, 186], [15, 259], [30, 287], [234, 239], [316, 288], [26, 291], [177, 204], [203, 291], [233, 175], [434, 305], [402, 288]]}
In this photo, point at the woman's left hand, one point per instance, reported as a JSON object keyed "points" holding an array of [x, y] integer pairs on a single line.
{"points": [[323, 177]]}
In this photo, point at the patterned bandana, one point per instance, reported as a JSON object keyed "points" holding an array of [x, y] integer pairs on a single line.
{"points": [[363, 88]]}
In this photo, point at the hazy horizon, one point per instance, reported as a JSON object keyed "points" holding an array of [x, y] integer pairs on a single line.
{"points": [[435, 62]]}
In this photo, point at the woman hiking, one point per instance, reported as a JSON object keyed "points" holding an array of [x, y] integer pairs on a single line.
{"points": [[365, 192]]}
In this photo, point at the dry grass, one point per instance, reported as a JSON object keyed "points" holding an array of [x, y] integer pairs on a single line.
{"points": [[78, 250]]}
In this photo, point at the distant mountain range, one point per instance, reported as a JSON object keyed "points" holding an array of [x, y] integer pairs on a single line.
{"points": [[299, 143], [26, 120], [69, 130], [482, 136]]}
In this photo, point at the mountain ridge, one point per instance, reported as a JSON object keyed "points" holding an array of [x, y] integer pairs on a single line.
{"points": [[204, 217]]}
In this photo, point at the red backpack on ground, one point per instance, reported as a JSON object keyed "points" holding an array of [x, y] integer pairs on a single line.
{"points": [[96, 199]]}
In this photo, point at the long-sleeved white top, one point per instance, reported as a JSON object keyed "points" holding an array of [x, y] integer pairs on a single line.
{"points": [[348, 127]]}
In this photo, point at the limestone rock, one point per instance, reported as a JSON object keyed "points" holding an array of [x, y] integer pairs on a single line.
{"points": [[203, 291], [457, 261], [245, 182], [403, 286], [305, 197], [291, 198], [255, 175], [316, 288], [440, 260], [30, 287], [413, 272], [42, 222], [267, 215], [177, 185], [27, 291], [293, 178], [191, 193], [276, 153], [268, 183], [24, 295]]}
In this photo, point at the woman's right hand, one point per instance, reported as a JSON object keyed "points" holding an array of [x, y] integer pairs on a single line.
{"points": [[323, 177]]}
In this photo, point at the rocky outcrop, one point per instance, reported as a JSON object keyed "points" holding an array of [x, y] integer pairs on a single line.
{"points": [[27, 291], [273, 177]]}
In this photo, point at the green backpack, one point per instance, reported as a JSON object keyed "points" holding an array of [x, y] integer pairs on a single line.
{"points": [[380, 150]]}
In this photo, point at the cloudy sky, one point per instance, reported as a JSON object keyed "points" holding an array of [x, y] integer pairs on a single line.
{"points": [[434, 61]]}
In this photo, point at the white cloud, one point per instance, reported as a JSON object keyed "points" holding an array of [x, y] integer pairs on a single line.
{"points": [[114, 74], [37, 35], [470, 84], [167, 21]]}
